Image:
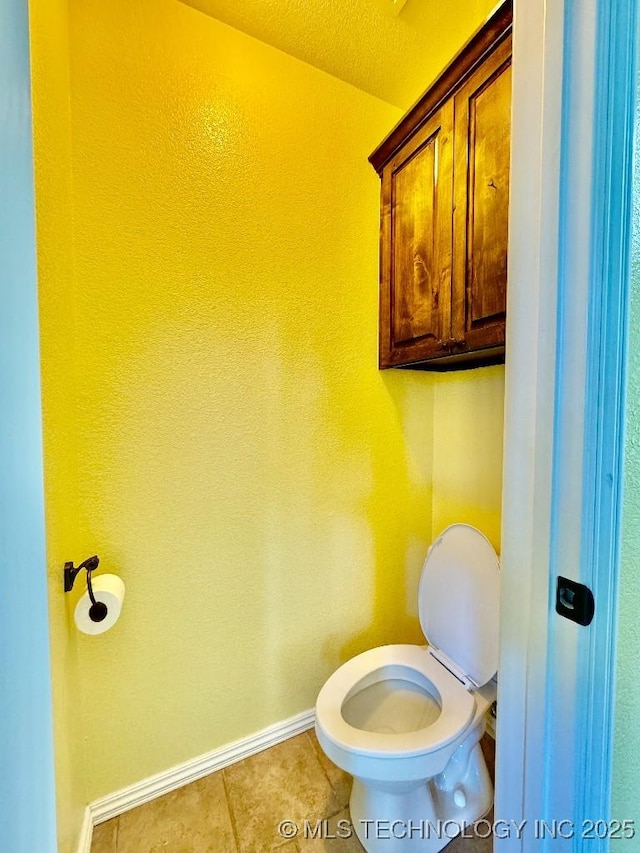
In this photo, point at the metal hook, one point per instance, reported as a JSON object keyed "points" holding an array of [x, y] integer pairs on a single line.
{"points": [[71, 571], [98, 610]]}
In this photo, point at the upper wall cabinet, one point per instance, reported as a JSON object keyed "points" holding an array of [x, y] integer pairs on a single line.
{"points": [[444, 213]]}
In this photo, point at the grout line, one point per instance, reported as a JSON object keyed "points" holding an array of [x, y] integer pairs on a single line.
{"points": [[230, 810], [336, 813], [183, 774], [314, 750], [292, 842]]}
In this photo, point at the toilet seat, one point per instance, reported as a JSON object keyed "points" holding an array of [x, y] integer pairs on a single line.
{"points": [[462, 626], [450, 694]]}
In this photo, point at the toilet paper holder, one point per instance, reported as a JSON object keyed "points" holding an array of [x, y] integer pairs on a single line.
{"points": [[98, 610]]}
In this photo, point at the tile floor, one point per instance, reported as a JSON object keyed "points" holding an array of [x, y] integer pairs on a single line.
{"points": [[238, 809]]}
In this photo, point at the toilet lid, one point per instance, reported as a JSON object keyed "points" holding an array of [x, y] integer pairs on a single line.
{"points": [[458, 601]]}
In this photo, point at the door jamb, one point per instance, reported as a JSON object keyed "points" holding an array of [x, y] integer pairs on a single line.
{"points": [[574, 90]]}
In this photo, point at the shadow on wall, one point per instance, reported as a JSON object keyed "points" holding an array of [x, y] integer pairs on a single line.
{"points": [[468, 450], [453, 430], [346, 513], [395, 497]]}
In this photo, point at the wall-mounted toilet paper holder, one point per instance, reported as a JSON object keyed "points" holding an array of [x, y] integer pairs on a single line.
{"points": [[98, 610]]}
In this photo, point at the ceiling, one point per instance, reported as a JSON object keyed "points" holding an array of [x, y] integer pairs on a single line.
{"points": [[391, 55]]}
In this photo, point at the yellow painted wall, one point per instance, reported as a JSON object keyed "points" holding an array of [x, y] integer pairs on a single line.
{"points": [[259, 486], [467, 450], [216, 427]]}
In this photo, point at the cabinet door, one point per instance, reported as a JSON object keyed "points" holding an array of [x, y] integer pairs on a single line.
{"points": [[481, 197], [416, 250]]}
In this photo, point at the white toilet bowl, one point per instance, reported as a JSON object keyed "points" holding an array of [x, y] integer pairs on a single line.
{"points": [[405, 720]]}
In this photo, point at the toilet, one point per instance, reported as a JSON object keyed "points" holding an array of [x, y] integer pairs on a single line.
{"points": [[405, 720]]}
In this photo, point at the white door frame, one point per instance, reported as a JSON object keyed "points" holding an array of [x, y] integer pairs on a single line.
{"points": [[573, 107], [27, 795]]}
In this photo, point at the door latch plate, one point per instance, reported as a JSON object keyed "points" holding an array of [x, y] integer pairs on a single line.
{"points": [[574, 601]]}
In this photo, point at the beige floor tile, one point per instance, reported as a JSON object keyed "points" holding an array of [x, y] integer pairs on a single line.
{"points": [[336, 836], [474, 841], [193, 819], [340, 781], [105, 836], [291, 781], [285, 782], [470, 845]]}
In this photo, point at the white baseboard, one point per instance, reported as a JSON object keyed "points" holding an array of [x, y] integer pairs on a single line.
{"points": [[155, 786], [86, 832]]}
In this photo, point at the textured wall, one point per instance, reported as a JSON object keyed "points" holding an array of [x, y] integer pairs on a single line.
{"points": [[467, 449], [626, 756], [234, 453], [397, 56], [263, 490]]}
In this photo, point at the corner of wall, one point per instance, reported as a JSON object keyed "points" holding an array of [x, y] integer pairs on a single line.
{"points": [[50, 85], [468, 450]]}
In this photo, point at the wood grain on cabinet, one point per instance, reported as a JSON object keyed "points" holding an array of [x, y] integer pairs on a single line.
{"points": [[481, 204], [444, 213], [417, 193]]}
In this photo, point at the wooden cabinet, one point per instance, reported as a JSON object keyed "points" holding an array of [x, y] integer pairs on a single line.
{"points": [[417, 199], [444, 213]]}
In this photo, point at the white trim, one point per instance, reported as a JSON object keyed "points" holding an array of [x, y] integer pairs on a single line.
{"points": [[182, 774], [86, 832], [529, 409], [600, 89], [567, 686], [27, 763], [566, 330]]}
